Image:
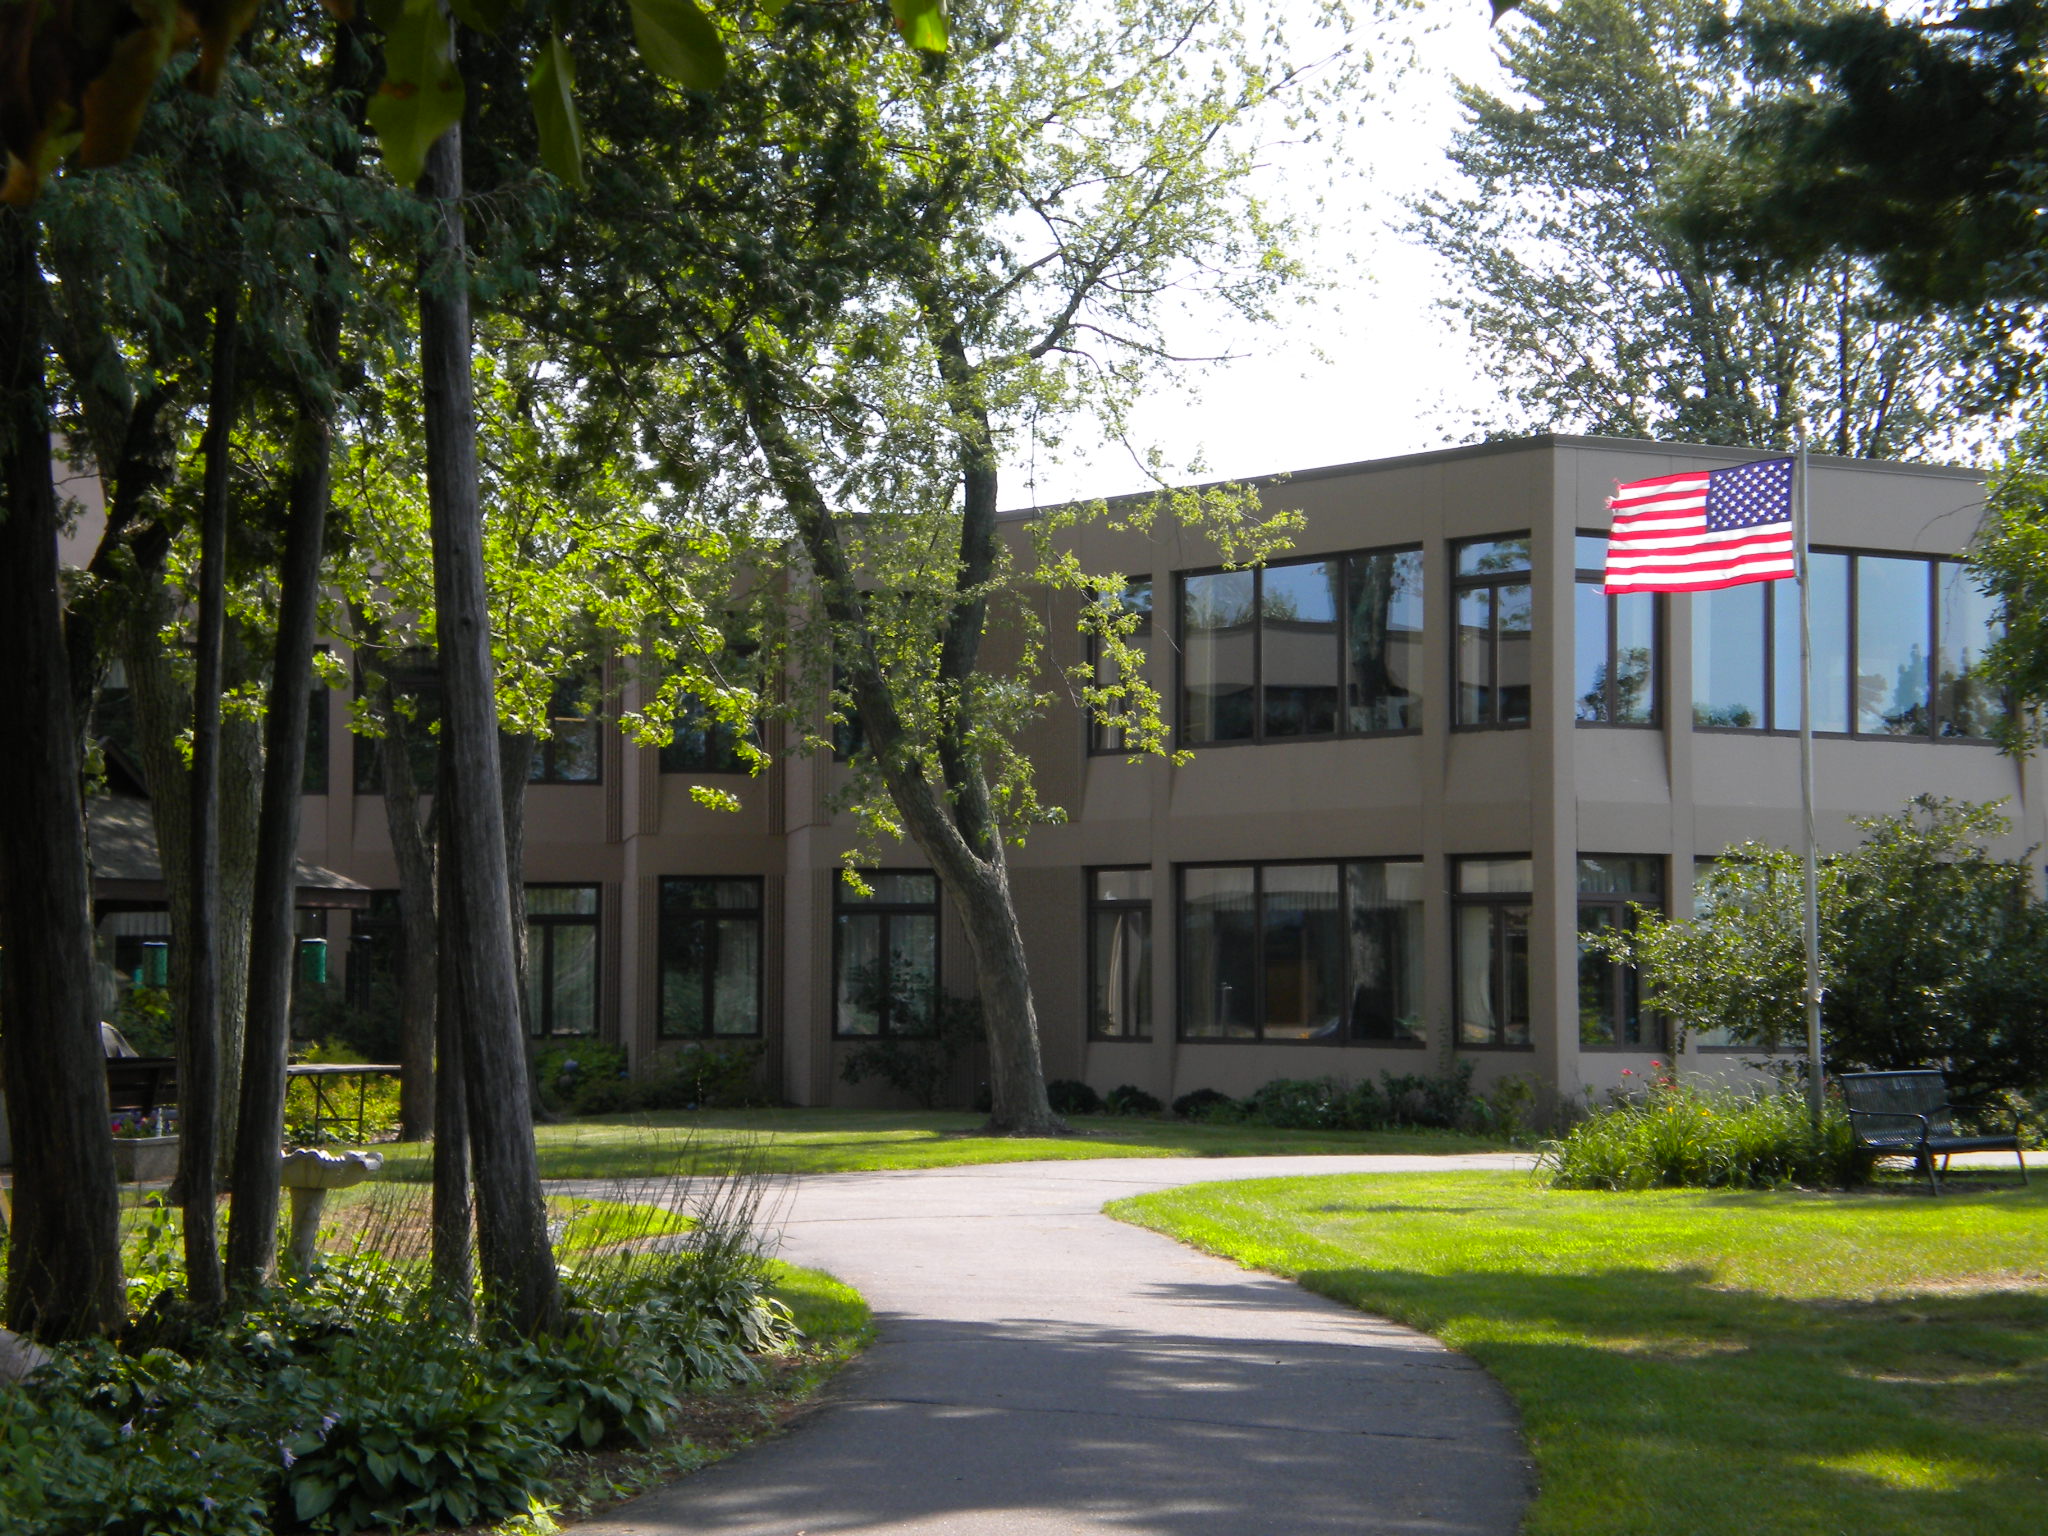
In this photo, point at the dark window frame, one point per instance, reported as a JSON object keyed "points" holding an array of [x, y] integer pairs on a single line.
{"points": [[1852, 612], [1347, 1038], [1490, 582], [886, 910], [710, 917], [1496, 977], [545, 767], [1259, 736], [1100, 742], [542, 1021], [1096, 904], [720, 738], [1656, 1029], [1659, 649]]}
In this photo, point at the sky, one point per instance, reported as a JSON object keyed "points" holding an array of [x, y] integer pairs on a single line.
{"points": [[1394, 376]]}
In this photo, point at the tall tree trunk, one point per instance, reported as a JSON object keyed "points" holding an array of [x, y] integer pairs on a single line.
{"points": [[951, 823], [454, 1217], [515, 759], [64, 1260], [266, 1041], [241, 809], [412, 846], [514, 1256], [199, 1075]]}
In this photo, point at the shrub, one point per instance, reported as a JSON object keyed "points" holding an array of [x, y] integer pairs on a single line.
{"points": [[1676, 1136], [1128, 1099], [1204, 1104], [922, 1067], [568, 1076], [1070, 1097], [1299, 1104]]}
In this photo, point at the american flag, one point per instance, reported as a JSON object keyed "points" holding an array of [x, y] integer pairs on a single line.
{"points": [[1695, 532]]}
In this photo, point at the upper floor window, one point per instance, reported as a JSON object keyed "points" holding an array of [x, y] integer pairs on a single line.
{"points": [[415, 683], [1614, 646], [570, 753], [1320, 647], [1136, 599], [1898, 648], [699, 742], [1491, 590]]}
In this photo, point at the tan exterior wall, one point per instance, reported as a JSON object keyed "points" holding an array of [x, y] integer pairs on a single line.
{"points": [[1551, 791]]}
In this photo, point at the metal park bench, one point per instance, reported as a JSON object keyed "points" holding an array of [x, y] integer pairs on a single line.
{"points": [[141, 1085], [1907, 1114]]}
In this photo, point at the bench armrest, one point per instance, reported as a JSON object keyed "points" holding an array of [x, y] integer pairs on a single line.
{"points": [[1905, 1117]]}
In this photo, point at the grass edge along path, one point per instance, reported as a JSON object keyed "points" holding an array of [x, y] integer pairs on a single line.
{"points": [[1695, 1363], [837, 1325], [804, 1141]]}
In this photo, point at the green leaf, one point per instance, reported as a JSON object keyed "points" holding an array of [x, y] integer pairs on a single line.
{"points": [[678, 41], [421, 97], [922, 22], [485, 16], [312, 1497], [552, 90]]}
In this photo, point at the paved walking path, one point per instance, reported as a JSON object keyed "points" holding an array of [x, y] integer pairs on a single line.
{"points": [[1042, 1369]]}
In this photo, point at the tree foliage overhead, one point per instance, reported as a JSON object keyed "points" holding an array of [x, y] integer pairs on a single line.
{"points": [[1597, 315], [1933, 952]]}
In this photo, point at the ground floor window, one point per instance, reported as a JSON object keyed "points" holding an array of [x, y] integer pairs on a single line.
{"points": [[561, 959], [1610, 995], [885, 954], [710, 958], [1328, 952], [1120, 954], [1490, 898]]}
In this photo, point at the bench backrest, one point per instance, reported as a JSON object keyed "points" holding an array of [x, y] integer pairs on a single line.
{"points": [[1921, 1092], [141, 1084]]}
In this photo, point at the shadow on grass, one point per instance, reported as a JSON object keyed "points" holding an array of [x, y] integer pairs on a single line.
{"points": [[1678, 1403]]}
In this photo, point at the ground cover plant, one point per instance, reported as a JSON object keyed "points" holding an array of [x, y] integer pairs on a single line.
{"points": [[355, 1399], [1671, 1135], [798, 1141], [1696, 1361]]}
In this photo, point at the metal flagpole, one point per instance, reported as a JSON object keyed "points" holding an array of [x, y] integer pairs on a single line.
{"points": [[1815, 1081]]}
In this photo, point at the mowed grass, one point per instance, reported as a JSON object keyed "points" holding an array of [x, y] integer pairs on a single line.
{"points": [[852, 1141], [1691, 1363]]}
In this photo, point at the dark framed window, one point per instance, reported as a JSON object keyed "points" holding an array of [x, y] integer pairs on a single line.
{"points": [[416, 686], [376, 948], [1611, 1012], [1491, 594], [1120, 954], [885, 955], [570, 753], [561, 959], [1329, 953], [1298, 649], [710, 948], [1898, 648], [702, 743], [1136, 598], [1615, 652], [849, 736], [1490, 905]]}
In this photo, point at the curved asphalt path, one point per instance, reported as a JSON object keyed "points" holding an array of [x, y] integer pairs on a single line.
{"points": [[1041, 1369]]}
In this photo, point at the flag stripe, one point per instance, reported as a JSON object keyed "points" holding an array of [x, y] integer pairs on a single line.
{"points": [[1700, 531]]}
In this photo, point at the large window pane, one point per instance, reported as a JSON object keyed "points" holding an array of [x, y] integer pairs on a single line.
{"points": [[1830, 605], [710, 948], [1513, 930], [1969, 705], [1384, 923], [1596, 976], [1892, 628], [913, 971], [1476, 966], [1302, 948], [1635, 659], [862, 984], [1219, 953], [1475, 657], [1589, 653], [572, 998], [1217, 617], [1493, 557], [1298, 647], [1383, 674], [736, 982], [1120, 986], [1512, 615], [1728, 658], [1136, 599]]}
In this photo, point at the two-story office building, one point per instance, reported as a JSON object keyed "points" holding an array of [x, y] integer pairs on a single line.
{"points": [[1426, 754]]}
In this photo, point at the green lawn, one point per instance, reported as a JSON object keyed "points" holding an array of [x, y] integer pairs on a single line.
{"points": [[1690, 1362], [852, 1140]]}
